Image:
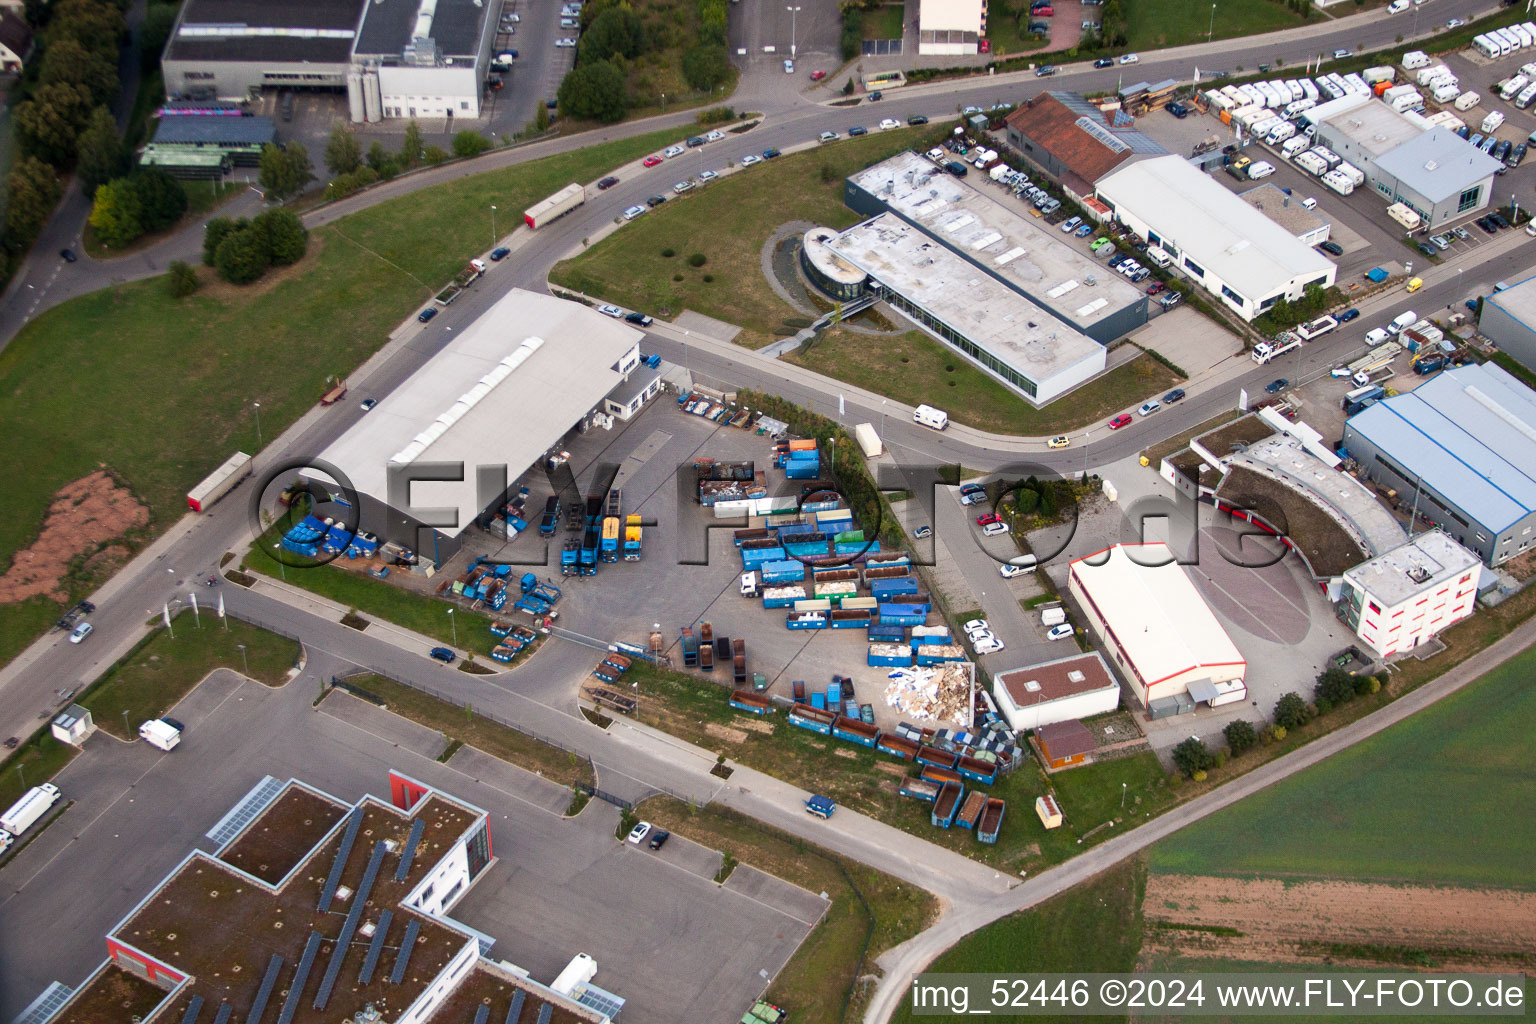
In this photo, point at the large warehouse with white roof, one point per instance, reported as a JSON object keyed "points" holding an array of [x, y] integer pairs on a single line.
{"points": [[1219, 241], [1461, 447], [480, 413], [1155, 625]]}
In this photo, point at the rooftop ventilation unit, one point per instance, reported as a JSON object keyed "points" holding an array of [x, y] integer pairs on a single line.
{"points": [[1076, 676]]}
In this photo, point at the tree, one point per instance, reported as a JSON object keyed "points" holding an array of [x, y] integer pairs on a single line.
{"points": [[1241, 736], [434, 155], [242, 256], [410, 149], [384, 163], [218, 229], [116, 215], [34, 189], [342, 152], [99, 154], [1290, 711], [467, 144], [1191, 756], [541, 119], [1335, 686], [153, 33], [285, 236], [49, 123], [706, 66], [285, 170], [68, 62], [162, 200], [91, 23], [614, 30], [181, 281], [347, 184], [593, 92]]}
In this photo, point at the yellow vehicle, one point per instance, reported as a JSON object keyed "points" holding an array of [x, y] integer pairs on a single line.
{"points": [[1059, 441], [1415, 284]]}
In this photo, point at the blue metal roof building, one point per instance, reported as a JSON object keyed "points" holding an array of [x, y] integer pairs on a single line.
{"points": [[1461, 448]]}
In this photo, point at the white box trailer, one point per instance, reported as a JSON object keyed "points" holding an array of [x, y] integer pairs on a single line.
{"points": [[869, 441], [24, 813], [1355, 175], [1484, 45], [1468, 100], [1053, 616], [1408, 101], [1294, 145], [562, 202], [159, 733], [1492, 122], [220, 482], [1378, 74], [1415, 59], [1405, 215]]}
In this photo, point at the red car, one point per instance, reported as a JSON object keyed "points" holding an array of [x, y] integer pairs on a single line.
{"points": [[1155, 287], [652, 161], [817, 76], [988, 519], [986, 46], [1120, 421]]}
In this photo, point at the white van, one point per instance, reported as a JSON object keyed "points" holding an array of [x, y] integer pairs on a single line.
{"points": [[1402, 320], [928, 416], [1376, 335], [1159, 256], [1262, 169]]}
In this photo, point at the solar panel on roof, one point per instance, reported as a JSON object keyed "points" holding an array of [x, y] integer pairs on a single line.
{"points": [[598, 999], [354, 821], [225, 1010], [404, 956], [409, 853], [349, 928], [483, 1014], [516, 1009], [194, 1008], [300, 976], [264, 992], [545, 1012], [365, 976]]}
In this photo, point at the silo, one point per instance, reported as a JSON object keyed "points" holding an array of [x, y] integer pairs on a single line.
{"points": [[372, 101], [355, 95]]}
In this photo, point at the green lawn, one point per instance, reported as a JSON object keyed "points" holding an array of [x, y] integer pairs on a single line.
{"points": [[914, 369], [884, 22], [865, 906], [1445, 797], [160, 391], [728, 222], [1176, 22], [164, 668], [1093, 927]]}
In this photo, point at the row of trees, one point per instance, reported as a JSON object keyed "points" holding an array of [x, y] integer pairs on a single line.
{"points": [[351, 169], [242, 250], [614, 39], [1333, 688], [146, 201]]}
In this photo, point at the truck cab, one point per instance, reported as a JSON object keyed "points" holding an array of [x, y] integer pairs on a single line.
{"points": [[821, 806]]}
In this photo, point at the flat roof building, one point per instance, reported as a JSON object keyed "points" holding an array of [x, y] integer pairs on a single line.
{"points": [[1000, 240], [1063, 690], [1433, 170], [1398, 600], [1508, 319], [494, 400], [430, 58], [1223, 244], [950, 27], [1071, 140], [995, 328], [1305, 225], [1461, 448], [1153, 622]]}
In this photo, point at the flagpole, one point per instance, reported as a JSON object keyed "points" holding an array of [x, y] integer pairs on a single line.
{"points": [[222, 617], [165, 610]]}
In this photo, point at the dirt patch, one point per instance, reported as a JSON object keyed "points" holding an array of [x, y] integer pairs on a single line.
{"points": [[845, 752], [1270, 920], [753, 725], [722, 732], [83, 517], [894, 768]]}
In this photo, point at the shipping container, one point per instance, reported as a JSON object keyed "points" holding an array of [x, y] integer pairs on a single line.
{"points": [[947, 804]]}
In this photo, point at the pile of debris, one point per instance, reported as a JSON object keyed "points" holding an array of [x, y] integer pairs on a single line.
{"points": [[942, 692]]}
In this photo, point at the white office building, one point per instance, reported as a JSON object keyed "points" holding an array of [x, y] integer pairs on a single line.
{"points": [[1401, 599], [950, 27]]}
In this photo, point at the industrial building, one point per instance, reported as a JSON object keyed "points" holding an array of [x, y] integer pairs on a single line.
{"points": [[1398, 600], [1508, 319], [998, 239], [393, 58], [1439, 174], [1307, 226], [1237, 254], [950, 27], [1070, 139], [828, 271], [993, 327], [1156, 626], [1063, 690], [184, 145], [1460, 451], [312, 910], [456, 435]]}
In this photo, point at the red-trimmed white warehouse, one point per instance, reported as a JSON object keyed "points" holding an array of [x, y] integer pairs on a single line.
{"points": [[1155, 625]]}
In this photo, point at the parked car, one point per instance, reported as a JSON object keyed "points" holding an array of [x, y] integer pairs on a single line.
{"points": [[1333, 248], [80, 632], [829, 136], [613, 311], [770, 152], [876, 96], [993, 529], [917, 119], [607, 183], [1059, 441], [442, 654], [705, 177], [652, 160], [923, 532], [716, 135], [1083, 230], [659, 838], [1176, 395], [1070, 225], [682, 186], [1440, 242], [1277, 385], [499, 254], [750, 159], [1008, 572], [1428, 250], [1104, 62], [976, 626], [1061, 632], [1148, 408], [1155, 287], [694, 141], [1119, 421], [1129, 58], [988, 518], [565, 43], [426, 314], [1348, 315], [639, 832], [368, 403], [1461, 233], [986, 644], [67, 255], [1171, 299], [858, 129], [638, 319], [634, 211], [655, 201], [818, 75], [1045, 70], [1338, 55]]}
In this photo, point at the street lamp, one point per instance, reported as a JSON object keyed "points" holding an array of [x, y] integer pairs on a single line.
{"points": [[493, 226], [792, 12], [1212, 30], [244, 662], [455, 627], [259, 444], [126, 731]]}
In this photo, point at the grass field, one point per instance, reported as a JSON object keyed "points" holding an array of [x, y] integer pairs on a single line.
{"points": [[1176, 22], [1445, 797], [727, 223], [866, 781], [164, 668], [914, 369], [865, 906], [884, 22], [160, 391], [1093, 927], [464, 726]]}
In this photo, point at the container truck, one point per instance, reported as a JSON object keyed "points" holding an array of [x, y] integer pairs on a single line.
{"points": [[157, 732], [220, 482], [868, 440], [466, 277], [562, 202], [24, 813], [632, 537]]}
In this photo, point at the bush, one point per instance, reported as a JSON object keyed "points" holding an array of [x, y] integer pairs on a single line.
{"points": [[1198, 775], [677, 277], [1335, 686], [284, 234], [1192, 756], [1363, 685], [697, 260], [1290, 711], [467, 144], [433, 155], [215, 232], [709, 278], [852, 41], [1240, 736], [355, 181], [181, 281], [1323, 705], [668, 253], [242, 256], [1279, 733]]}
